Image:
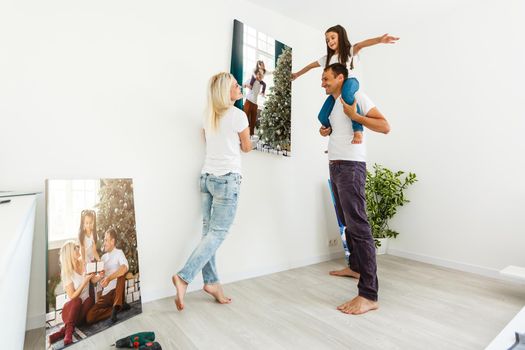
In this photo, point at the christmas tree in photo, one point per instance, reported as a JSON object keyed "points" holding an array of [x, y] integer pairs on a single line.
{"points": [[275, 124], [116, 210]]}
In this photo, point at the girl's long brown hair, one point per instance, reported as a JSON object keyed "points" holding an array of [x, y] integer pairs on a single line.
{"points": [[81, 232], [344, 47]]}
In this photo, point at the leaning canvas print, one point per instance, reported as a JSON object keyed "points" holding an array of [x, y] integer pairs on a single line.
{"points": [[263, 66], [93, 279]]}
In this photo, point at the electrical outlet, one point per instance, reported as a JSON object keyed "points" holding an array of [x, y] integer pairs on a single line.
{"points": [[332, 242]]}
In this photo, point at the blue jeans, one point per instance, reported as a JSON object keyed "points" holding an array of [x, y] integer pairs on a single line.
{"points": [[350, 87], [219, 204]]}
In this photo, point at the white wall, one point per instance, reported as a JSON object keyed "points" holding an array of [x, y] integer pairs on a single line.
{"points": [[453, 89], [116, 89]]}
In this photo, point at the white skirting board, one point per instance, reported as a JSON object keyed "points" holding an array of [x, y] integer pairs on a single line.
{"points": [[456, 265], [516, 272]]}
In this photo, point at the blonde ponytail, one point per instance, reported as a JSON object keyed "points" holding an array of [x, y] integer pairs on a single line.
{"points": [[219, 97], [67, 261]]}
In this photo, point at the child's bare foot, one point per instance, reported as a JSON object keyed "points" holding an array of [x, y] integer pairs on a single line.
{"points": [[346, 272], [181, 286], [215, 290], [358, 137], [358, 306]]}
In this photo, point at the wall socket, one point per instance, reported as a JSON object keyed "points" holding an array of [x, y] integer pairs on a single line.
{"points": [[333, 242]]}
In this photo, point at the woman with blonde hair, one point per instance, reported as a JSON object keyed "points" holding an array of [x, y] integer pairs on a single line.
{"points": [[226, 133], [75, 282]]}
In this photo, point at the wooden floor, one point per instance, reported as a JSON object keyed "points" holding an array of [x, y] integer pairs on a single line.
{"points": [[421, 307]]}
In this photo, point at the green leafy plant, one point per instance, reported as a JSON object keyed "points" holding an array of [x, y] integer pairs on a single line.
{"points": [[52, 284], [384, 191]]}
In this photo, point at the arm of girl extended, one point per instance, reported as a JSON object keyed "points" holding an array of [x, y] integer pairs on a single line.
{"points": [[383, 39], [95, 254], [314, 64], [249, 84], [83, 253]]}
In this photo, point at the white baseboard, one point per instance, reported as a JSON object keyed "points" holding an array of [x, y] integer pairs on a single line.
{"points": [[149, 296], [38, 321], [456, 265]]}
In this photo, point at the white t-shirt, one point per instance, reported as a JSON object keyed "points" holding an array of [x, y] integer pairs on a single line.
{"points": [[88, 246], [77, 281], [253, 93], [112, 261], [223, 151], [335, 59], [340, 145]]}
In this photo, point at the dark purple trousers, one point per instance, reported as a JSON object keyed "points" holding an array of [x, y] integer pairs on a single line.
{"points": [[348, 183]]}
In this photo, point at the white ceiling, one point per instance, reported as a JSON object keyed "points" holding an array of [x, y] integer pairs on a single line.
{"points": [[359, 17]]}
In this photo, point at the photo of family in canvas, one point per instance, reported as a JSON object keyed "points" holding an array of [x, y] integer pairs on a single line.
{"points": [[264, 66], [92, 262]]}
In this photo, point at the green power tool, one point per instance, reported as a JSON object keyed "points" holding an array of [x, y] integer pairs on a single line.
{"points": [[135, 340]]}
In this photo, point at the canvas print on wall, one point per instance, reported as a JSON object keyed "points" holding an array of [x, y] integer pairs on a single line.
{"points": [[93, 279], [263, 66]]}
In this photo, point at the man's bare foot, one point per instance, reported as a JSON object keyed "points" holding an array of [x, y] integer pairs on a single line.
{"points": [[346, 272], [181, 286], [215, 290], [358, 137], [358, 306]]}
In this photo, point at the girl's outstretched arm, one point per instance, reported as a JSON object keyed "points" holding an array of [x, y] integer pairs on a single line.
{"points": [[95, 253], [383, 39], [83, 254], [314, 64]]}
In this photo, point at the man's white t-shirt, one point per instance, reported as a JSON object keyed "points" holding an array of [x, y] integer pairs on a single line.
{"points": [[254, 91], [340, 145], [223, 151], [112, 261]]}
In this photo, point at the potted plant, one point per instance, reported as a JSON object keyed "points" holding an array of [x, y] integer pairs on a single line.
{"points": [[384, 192]]}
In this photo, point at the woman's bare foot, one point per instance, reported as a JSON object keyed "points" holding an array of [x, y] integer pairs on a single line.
{"points": [[181, 286], [358, 137], [358, 306], [346, 272], [215, 290]]}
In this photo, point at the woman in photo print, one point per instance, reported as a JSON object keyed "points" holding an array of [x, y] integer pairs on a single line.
{"points": [[76, 285]]}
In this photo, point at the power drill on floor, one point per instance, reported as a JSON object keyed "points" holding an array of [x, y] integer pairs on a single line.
{"points": [[141, 340], [150, 346]]}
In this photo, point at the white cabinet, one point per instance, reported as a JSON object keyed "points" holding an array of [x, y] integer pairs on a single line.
{"points": [[17, 222]]}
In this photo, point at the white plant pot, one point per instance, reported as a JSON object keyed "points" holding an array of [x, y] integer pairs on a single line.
{"points": [[384, 246]]}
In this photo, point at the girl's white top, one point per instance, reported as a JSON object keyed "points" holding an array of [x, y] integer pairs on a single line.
{"points": [[88, 246]]}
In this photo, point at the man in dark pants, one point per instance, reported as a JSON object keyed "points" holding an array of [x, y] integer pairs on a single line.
{"points": [[348, 176]]}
